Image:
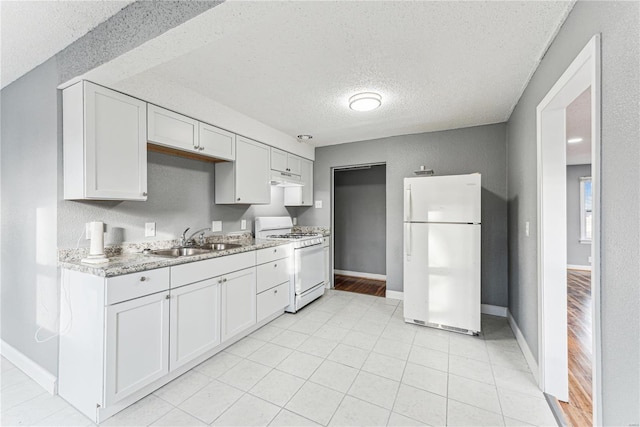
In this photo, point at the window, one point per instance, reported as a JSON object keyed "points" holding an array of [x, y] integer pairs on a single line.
{"points": [[586, 206]]}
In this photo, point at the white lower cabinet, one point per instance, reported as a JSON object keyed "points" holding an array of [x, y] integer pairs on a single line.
{"points": [[137, 345], [238, 302], [130, 334], [195, 321], [274, 280]]}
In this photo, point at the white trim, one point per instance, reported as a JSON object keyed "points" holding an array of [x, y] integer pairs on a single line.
{"points": [[394, 295], [583, 72], [579, 267], [361, 274], [526, 351], [494, 310], [46, 379]]}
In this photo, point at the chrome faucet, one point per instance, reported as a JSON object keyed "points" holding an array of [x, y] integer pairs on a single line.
{"points": [[189, 241]]}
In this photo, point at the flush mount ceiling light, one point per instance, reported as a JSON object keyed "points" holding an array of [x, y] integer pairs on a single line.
{"points": [[365, 101], [304, 138], [574, 140]]}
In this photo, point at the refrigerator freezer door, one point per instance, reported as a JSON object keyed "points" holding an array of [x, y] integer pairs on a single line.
{"points": [[442, 274], [453, 198]]}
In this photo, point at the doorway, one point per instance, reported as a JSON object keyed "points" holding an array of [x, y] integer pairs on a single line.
{"points": [[583, 75], [359, 224]]}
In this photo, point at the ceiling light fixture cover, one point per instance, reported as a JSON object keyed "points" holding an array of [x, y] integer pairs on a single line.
{"points": [[574, 140], [304, 137], [365, 101]]}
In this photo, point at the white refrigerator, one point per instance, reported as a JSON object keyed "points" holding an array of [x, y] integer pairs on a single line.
{"points": [[442, 251]]}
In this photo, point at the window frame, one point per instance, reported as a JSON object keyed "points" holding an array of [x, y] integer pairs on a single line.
{"points": [[584, 239]]}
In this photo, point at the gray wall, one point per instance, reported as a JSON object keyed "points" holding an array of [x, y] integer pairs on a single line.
{"points": [[181, 194], [620, 306], [31, 171], [360, 220], [577, 253], [475, 149], [29, 195]]}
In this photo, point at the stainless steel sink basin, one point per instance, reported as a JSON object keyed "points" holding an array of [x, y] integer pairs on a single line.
{"points": [[224, 246], [179, 252]]}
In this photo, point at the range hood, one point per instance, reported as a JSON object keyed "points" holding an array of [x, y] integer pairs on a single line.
{"points": [[284, 179]]}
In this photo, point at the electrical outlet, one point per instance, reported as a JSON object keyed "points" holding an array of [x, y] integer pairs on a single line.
{"points": [[590, 260], [318, 204], [87, 231], [150, 229], [295, 220], [243, 224], [526, 228], [216, 226]]}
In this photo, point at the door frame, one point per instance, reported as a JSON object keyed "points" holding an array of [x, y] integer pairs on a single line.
{"points": [[333, 208], [583, 72]]}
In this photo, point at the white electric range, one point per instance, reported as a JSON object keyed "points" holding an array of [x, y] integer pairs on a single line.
{"points": [[307, 278]]}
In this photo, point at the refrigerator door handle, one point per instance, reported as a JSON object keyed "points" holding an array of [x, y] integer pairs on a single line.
{"points": [[407, 239], [407, 204]]}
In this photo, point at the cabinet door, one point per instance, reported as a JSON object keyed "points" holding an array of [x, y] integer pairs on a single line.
{"points": [[294, 164], [115, 145], [238, 302], [137, 345], [278, 160], [195, 321], [301, 196], [215, 142], [172, 129], [252, 172]]}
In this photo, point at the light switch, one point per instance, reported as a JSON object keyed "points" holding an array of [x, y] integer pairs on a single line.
{"points": [[526, 228], [243, 224], [216, 226], [150, 229], [318, 204]]}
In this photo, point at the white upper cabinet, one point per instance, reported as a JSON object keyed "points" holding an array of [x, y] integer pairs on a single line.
{"points": [[172, 129], [104, 144], [216, 142], [285, 162], [301, 196], [247, 180]]}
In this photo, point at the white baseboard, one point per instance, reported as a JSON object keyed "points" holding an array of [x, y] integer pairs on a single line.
{"points": [[40, 375], [394, 295], [528, 355], [359, 274], [579, 267], [494, 310]]}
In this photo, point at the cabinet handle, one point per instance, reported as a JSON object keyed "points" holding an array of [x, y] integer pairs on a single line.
{"points": [[238, 198], [144, 194], [275, 291], [143, 279], [275, 265], [201, 148], [167, 297], [224, 280], [219, 280]]}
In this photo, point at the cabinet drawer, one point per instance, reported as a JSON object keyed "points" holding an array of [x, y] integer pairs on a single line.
{"points": [[272, 254], [272, 301], [202, 270], [273, 273], [130, 286]]}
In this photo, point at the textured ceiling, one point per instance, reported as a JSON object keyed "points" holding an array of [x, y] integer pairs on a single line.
{"points": [[293, 65], [579, 126], [34, 31]]}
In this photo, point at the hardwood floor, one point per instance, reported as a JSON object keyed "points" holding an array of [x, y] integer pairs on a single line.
{"points": [[360, 285], [578, 411]]}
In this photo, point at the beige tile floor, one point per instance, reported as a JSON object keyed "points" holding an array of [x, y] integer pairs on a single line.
{"points": [[347, 359]]}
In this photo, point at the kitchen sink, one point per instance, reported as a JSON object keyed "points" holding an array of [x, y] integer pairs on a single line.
{"points": [[179, 252], [223, 246]]}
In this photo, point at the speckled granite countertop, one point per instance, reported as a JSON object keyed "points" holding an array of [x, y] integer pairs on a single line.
{"points": [[132, 262], [325, 231]]}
